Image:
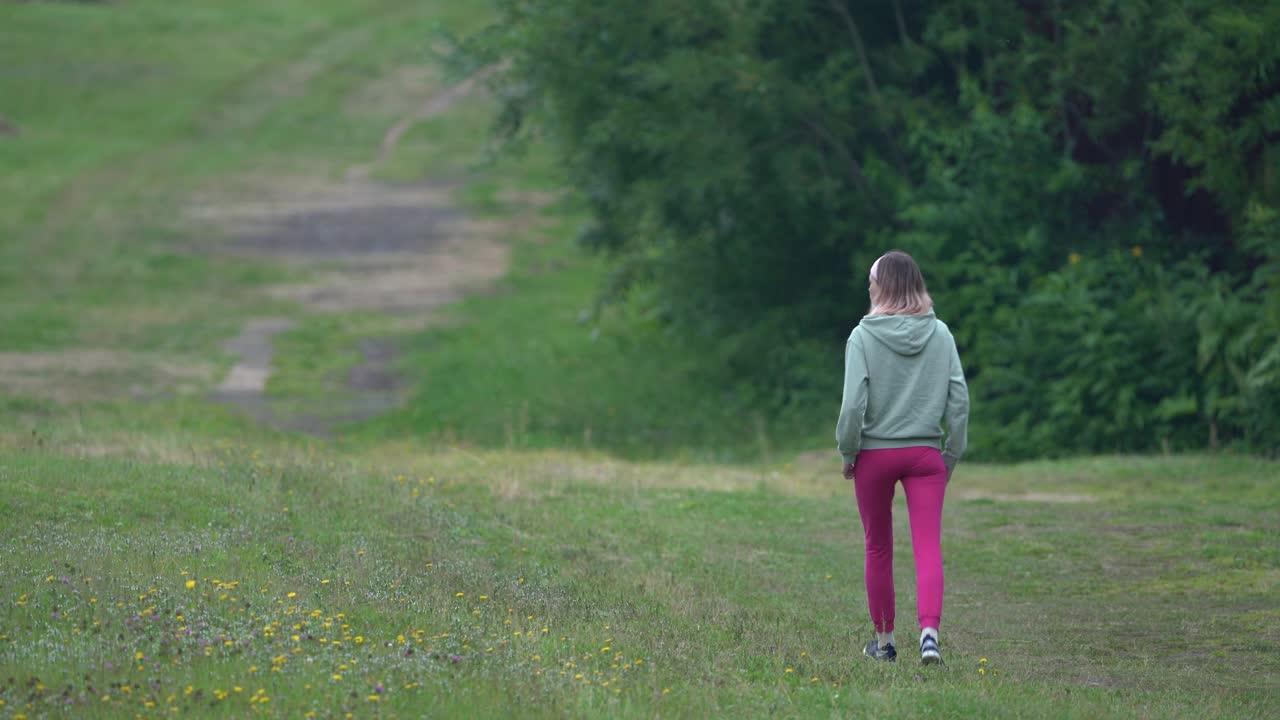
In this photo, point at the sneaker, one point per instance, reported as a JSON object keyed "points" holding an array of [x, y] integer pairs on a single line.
{"points": [[929, 653], [876, 651]]}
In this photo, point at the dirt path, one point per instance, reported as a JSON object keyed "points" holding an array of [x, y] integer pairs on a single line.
{"points": [[399, 250]]}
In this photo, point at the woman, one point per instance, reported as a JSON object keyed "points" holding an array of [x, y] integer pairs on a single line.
{"points": [[902, 378]]}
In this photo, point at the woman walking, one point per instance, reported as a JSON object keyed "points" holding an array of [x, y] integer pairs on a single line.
{"points": [[902, 378]]}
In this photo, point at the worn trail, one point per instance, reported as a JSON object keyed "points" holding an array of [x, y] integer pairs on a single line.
{"points": [[399, 250]]}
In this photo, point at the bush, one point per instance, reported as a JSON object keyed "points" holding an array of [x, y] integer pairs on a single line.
{"points": [[745, 164]]}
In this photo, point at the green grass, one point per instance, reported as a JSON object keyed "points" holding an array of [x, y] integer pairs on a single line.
{"points": [[484, 584], [127, 111]]}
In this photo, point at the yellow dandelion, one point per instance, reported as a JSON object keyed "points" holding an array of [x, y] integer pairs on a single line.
{"points": [[790, 670], [336, 676], [1136, 251], [982, 661], [459, 594], [191, 584], [982, 671], [1074, 258], [292, 595], [666, 691]]}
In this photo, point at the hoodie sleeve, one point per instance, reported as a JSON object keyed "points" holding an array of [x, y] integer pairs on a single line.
{"points": [[853, 406], [957, 413]]}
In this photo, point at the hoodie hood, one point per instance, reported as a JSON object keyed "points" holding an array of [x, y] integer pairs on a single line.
{"points": [[903, 334]]}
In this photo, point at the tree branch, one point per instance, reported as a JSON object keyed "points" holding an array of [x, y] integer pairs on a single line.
{"points": [[872, 87], [902, 23], [855, 171]]}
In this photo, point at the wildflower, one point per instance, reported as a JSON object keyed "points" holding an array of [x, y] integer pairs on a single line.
{"points": [[359, 639], [666, 691], [1074, 258], [982, 671], [191, 584], [459, 594], [982, 661], [292, 595], [790, 670], [336, 676], [813, 679], [1136, 251]]}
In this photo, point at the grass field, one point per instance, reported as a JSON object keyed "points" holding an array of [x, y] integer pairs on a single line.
{"points": [[286, 580], [565, 520]]}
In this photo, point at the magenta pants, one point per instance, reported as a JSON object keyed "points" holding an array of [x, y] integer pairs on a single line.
{"points": [[924, 479]]}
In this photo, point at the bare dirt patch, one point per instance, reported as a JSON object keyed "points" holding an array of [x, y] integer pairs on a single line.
{"points": [[73, 376], [1029, 496], [405, 250]]}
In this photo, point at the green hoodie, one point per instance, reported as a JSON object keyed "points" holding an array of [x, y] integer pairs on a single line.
{"points": [[902, 377]]}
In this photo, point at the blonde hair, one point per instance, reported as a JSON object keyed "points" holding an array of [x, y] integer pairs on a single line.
{"points": [[897, 286]]}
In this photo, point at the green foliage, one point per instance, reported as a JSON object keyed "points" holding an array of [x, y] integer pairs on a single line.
{"points": [[745, 162]]}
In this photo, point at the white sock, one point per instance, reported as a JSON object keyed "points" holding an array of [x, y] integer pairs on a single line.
{"points": [[929, 631], [883, 639]]}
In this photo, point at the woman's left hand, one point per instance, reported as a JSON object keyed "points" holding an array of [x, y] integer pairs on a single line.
{"points": [[848, 471]]}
